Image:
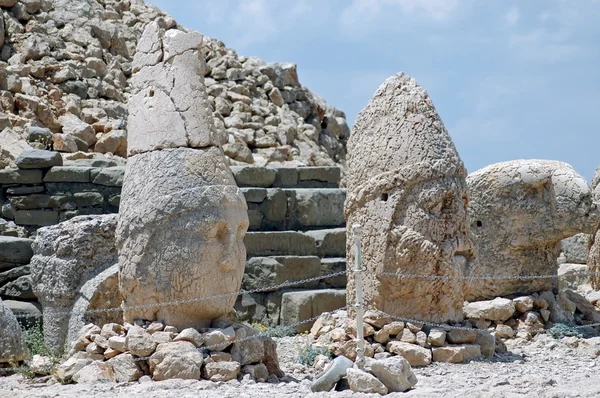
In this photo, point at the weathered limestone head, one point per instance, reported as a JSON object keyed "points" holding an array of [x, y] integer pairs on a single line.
{"points": [[593, 260], [169, 107], [182, 217], [181, 236], [407, 189], [519, 212]]}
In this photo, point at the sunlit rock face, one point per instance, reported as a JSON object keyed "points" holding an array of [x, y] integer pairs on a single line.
{"points": [[519, 212], [182, 217], [407, 189]]}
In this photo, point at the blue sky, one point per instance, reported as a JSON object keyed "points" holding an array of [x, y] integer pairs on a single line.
{"points": [[511, 79]]}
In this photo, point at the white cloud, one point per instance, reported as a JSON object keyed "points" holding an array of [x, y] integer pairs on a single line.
{"points": [[512, 16], [562, 32]]}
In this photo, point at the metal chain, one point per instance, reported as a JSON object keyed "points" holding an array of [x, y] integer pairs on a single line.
{"points": [[224, 344], [479, 278], [187, 301]]}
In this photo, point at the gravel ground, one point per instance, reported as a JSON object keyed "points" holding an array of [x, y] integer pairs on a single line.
{"points": [[543, 367]]}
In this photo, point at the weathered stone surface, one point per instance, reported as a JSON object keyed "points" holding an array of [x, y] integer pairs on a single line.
{"points": [[330, 242], [27, 313], [320, 207], [407, 189], [202, 245], [575, 248], [573, 276], [18, 289], [66, 370], [219, 339], [68, 174], [461, 336], [12, 346], [11, 146], [395, 373], [38, 159], [17, 176], [279, 243], [220, 371], [72, 125], [191, 335], [498, 309], [99, 292], [258, 372], [95, 372], [437, 337], [66, 256], [139, 342], [487, 343], [110, 176], [364, 382], [297, 306], [38, 218], [248, 176], [170, 92], [125, 368], [263, 272], [332, 374], [178, 359], [15, 250], [519, 212], [248, 351], [452, 354], [414, 354]]}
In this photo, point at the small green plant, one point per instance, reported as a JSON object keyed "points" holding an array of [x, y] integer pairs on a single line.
{"points": [[34, 339], [280, 331], [560, 330], [308, 353]]}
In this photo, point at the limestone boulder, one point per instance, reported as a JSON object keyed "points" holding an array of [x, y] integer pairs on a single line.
{"points": [[95, 372], [178, 359], [360, 381], [414, 354], [498, 309], [220, 371], [66, 256], [125, 368], [12, 346], [395, 373], [12, 144], [407, 189], [574, 249], [519, 212]]}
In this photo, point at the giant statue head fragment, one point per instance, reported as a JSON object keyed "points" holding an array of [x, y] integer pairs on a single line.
{"points": [[407, 189], [182, 217]]}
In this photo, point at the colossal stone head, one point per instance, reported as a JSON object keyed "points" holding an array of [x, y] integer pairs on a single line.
{"points": [[182, 217], [407, 189], [519, 212]]}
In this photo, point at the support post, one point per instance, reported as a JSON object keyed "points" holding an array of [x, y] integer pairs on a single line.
{"points": [[358, 283]]}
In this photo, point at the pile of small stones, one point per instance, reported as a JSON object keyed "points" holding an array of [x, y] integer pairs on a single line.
{"points": [[65, 69], [151, 350]]}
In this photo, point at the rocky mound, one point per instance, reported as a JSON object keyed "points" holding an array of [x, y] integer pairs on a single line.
{"points": [[65, 68]]}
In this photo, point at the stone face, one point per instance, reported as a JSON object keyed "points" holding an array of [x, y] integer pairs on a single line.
{"points": [[169, 91], [407, 189], [38, 159], [66, 256], [12, 346], [519, 212], [498, 309], [364, 382], [395, 373], [198, 253], [178, 360]]}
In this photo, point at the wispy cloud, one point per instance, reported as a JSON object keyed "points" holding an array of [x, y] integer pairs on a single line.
{"points": [[512, 16]]}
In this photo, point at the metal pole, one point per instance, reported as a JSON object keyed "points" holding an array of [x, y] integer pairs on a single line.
{"points": [[358, 281]]}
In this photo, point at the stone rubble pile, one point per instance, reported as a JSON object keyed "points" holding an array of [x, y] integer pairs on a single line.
{"points": [[65, 69], [419, 344], [130, 352]]}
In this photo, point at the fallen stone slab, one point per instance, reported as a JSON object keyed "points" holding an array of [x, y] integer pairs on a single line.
{"points": [[38, 159]]}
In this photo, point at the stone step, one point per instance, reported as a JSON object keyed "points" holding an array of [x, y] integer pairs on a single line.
{"points": [[301, 177], [322, 243], [281, 209], [297, 306]]}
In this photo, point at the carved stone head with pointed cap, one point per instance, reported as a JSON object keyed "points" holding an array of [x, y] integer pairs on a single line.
{"points": [[406, 187]]}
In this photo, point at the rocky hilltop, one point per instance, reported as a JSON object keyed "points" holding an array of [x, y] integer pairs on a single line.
{"points": [[65, 69]]}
